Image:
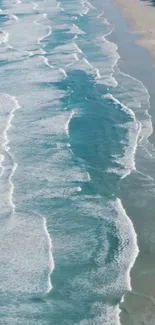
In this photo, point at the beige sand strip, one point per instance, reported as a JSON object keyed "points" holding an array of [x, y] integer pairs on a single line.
{"points": [[142, 17]]}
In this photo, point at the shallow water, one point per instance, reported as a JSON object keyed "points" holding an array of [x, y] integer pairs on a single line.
{"points": [[70, 123]]}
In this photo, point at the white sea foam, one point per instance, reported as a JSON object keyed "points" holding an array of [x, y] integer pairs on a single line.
{"points": [[63, 72], [108, 57], [35, 5], [77, 48], [33, 33], [40, 39], [89, 178], [106, 69], [90, 5], [74, 8], [117, 102], [85, 10], [1, 164], [51, 260], [59, 6], [12, 188], [98, 76], [79, 189], [140, 102], [111, 278], [136, 97], [100, 15], [127, 161], [67, 123], [47, 62], [24, 255], [88, 63], [74, 29], [4, 36], [125, 224], [13, 17], [14, 105], [76, 57], [65, 55]]}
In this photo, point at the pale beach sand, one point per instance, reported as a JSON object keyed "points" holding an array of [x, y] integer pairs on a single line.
{"points": [[142, 17]]}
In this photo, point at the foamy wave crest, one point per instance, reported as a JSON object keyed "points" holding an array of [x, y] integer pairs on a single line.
{"points": [[63, 72], [127, 161], [67, 124], [89, 5], [106, 53], [76, 30], [40, 39], [117, 102], [136, 97], [14, 17], [51, 260], [65, 56], [60, 6], [86, 5], [13, 105], [139, 103], [4, 36], [85, 8], [125, 225], [105, 71], [35, 5]]}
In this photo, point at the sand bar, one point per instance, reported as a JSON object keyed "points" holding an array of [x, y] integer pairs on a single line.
{"points": [[142, 17]]}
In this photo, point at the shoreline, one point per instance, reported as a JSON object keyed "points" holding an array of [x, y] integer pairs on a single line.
{"points": [[137, 190], [141, 16]]}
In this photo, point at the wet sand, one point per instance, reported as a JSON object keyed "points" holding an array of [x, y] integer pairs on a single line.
{"points": [[142, 17], [138, 199]]}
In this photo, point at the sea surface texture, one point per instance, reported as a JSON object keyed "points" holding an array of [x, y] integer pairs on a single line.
{"points": [[70, 124]]}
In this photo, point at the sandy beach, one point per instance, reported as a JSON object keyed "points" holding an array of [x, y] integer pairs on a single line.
{"points": [[142, 18], [139, 304]]}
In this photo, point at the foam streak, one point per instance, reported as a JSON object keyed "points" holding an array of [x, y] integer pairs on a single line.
{"points": [[6, 148]]}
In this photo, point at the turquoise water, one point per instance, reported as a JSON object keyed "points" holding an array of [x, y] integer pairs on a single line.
{"points": [[70, 124]]}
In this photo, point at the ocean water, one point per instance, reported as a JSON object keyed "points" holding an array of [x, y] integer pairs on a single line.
{"points": [[73, 128]]}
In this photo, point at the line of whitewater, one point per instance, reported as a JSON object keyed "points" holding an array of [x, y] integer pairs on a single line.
{"points": [[49, 239], [51, 260], [6, 148]]}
